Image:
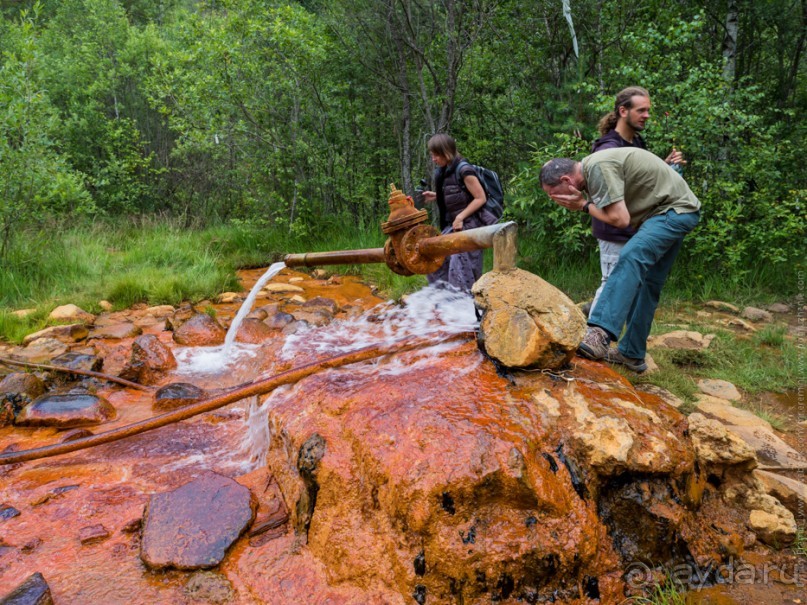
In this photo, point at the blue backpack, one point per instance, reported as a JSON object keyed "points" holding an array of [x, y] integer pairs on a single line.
{"points": [[492, 186]]}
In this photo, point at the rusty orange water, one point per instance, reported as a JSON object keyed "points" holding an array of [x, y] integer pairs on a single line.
{"points": [[109, 485]]}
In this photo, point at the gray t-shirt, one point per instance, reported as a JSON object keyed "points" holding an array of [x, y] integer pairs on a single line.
{"points": [[646, 184]]}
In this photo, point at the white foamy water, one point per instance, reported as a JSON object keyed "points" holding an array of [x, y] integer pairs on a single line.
{"points": [[201, 361], [205, 361], [229, 339], [428, 312]]}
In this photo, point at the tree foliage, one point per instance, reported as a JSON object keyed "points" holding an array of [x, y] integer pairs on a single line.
{"points": [[300, 114]]}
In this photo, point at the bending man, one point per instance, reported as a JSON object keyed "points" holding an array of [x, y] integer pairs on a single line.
{"points": [[621, 128], [621, 187]]}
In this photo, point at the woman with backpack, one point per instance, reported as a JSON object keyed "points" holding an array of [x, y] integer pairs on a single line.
{"points": [[461, 201]]}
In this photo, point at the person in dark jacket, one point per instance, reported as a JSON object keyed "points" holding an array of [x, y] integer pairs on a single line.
{"points": [[621, 128], [460, 201]]}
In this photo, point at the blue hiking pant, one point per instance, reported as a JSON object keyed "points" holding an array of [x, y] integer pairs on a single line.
{"points": [[631, 294]]}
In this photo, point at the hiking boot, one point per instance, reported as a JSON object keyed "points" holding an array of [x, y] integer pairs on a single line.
{"points": [[595, 343], [614, 356]]}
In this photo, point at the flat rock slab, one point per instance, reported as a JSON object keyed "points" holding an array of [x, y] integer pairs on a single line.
{"points": [[34, 591], [79, 361], [728, 414], [791, 493], [681, 339], [193, 526], [66, 411], [722, 389], [771, 451], [117, 331]]}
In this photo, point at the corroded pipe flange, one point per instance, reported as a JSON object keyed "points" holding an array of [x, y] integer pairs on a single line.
{"points": [[392, 261], [404, 222], [409, 253]]}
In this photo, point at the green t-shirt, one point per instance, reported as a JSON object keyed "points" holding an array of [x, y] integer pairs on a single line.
{"points": [[646, 184]]}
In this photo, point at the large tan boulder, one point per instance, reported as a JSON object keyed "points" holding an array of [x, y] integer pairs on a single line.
{"points": [[527, 322], [71, 313]]}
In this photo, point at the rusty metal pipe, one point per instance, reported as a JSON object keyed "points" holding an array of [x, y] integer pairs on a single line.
{"points": [[260, 387], [340, 257], [461, 241]]}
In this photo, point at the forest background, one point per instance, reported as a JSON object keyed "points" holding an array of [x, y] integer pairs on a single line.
{"points": [[190, 137]]}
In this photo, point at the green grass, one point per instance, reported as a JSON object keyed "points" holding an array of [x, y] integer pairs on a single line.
{"points": [[667, 594]]}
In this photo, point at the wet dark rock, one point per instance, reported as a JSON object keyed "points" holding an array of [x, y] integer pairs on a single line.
{"points": [[74, 434], [22, 383], [293, 327], [320, 302], [209, 587], [644, 519], [92, 534], [79, 361], [179, 317], [8, 512], [259, 314], [34, 591], [66, 411], [177, 395], [193, 526], [199, 331], [116, 331], [254, 331], [150, 360], [16, 391], [278, 320], [315, 317]]}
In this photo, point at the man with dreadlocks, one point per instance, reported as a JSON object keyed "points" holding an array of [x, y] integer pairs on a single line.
{"points": [[621, 128]]}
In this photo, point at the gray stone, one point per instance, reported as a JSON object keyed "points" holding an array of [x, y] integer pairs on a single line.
{"points": [[193, 526], [721, 389], [34, 591], [177, 395], [771, 450], [79, 361], [757, 315], [278, 320], [779, 308]]}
